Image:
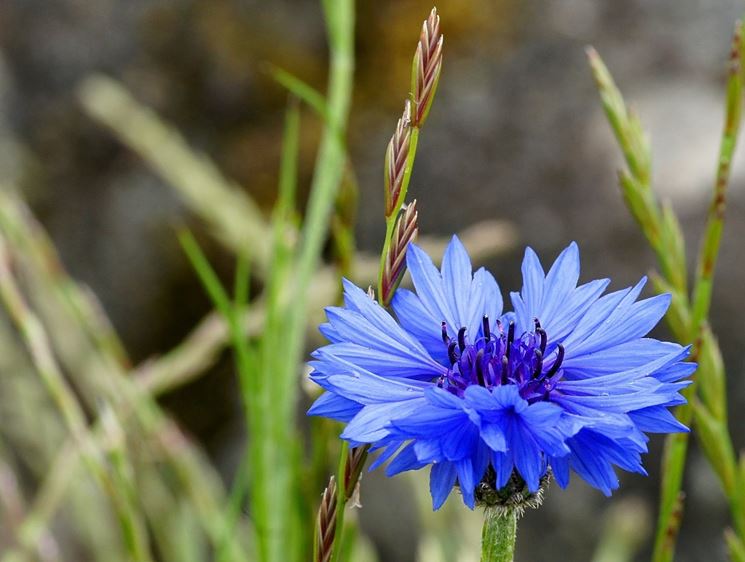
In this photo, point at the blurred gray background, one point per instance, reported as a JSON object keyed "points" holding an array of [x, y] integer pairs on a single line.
{"points": [[516, 133]]}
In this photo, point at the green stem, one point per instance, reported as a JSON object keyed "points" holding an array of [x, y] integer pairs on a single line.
{"points": [[715, 221], [498, 535], [274, 468]]}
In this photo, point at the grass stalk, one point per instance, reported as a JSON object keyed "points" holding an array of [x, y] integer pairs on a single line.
{"points": [[687, 318]]}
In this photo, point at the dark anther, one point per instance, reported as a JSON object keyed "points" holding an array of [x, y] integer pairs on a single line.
{"points": [[538, 364], [557, 363], [445, 337], [451, 353], [462, 339], [537, 324], [544, 338], [510, 339], [499, 326], [505, 368], [485, 326], [480, 367]]}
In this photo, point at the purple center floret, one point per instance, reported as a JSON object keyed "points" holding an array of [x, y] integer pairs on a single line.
{"points": [[499, 358]]}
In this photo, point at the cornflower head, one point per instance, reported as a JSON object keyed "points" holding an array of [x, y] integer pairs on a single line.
{"points": [[495, 401]]}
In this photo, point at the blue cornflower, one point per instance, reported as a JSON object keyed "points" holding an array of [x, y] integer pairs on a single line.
{"points": [[567, 381]]}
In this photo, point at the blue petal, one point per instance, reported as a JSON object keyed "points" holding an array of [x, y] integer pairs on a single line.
{"points": [[621, 357], [367, 388], [389, 450], [627, 322], [674, 373], [443, 399], [456, 280], [619, 403], [525, 453], [428, 450], [336, 407], [460, 441], [603, 311], [466, 481], [489, 305], [359, 301], [428, 423], [418, 321], [560, 468], [405, 460], [657, 419], [441, 481], [502, 464], [494, 437], [350, 357], [355, 329], [532, 290], [591, 466], [561, 280], [560, 323], [371, 424], [428, 284], [604, 383], [455, 296]]}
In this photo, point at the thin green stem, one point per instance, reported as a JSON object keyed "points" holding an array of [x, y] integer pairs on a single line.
{"points": [[498, 535], [275, 466], [331, 154], [715, 221]]}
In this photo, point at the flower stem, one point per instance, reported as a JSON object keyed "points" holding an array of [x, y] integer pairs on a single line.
{"points": [[498, 535]]}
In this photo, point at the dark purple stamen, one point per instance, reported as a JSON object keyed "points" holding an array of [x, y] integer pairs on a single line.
{"points": [[490, 359], [557, 363], [539, 363], [510, 339], [544, 337], [451, 353], [462, 339], [480, 367]]}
